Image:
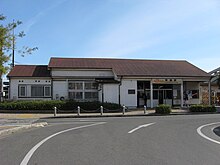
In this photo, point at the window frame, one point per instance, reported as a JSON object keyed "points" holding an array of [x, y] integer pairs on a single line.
{"points": [[84, 90], [47, 86], [28, 91], [19, 90]]}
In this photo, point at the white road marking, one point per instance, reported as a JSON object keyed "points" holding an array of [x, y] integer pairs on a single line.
{"points": [[93, 120], [199, 131], [141, 126], [69, 123], [31, 152]]}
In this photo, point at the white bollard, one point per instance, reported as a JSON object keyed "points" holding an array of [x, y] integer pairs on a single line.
{"points": [[101, 109], [78, 110], [55, 111], [123, 112], [145, 109]]}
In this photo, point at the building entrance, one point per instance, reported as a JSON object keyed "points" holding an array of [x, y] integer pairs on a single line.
{"points": [[143, 93], [162, 94]]}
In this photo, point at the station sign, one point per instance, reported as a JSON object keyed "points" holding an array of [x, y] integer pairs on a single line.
{"points": [[166, 81]]}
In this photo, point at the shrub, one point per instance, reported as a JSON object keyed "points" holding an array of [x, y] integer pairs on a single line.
{"points": [[163, 109], [62, 106], [202, 108], [30, 105]]}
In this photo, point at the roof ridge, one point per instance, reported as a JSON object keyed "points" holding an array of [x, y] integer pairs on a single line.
{"points": [[131, 59], [30, 65]]}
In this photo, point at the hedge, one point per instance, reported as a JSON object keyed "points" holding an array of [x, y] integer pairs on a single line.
{"points": [[62, 106], [163, 109], [202, 108]]}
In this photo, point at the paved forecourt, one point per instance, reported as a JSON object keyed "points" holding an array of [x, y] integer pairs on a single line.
{"points": [[152, 140]]}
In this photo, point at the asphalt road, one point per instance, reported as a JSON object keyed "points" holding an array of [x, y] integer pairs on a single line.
{"points": [[165, 140]]}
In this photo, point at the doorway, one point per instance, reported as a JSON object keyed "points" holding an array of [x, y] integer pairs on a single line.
{"points": [[161, 97]]}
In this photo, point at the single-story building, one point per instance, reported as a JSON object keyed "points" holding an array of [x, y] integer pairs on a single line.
{"points": [[129, 82]]}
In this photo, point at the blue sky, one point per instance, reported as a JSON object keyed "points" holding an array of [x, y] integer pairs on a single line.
{"points": [[145, 29]]}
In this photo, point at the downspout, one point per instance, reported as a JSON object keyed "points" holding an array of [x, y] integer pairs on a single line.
{"points": [[119, 91], [9, 89], [102, 94], [51, 88], [51, 82]]}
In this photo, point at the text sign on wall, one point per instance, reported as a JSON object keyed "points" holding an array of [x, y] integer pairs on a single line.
{"points": [[166, 81]]}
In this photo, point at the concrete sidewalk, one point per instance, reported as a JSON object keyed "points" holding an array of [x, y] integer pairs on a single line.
{"points": [[10, 123]]}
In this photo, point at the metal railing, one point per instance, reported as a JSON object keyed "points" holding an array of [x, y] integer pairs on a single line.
{"points": [[102, 110]]}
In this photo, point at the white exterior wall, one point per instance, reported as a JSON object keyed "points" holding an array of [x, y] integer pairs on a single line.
{"points": [[111, 93], [15, 82], [82, 73], [129, 100], [60, 89]]}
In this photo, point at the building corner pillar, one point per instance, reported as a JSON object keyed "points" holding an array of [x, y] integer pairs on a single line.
{"points": [[181, 94]]}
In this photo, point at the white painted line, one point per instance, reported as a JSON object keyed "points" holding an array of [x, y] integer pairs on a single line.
{"points": [[69, 123], [31, 152], [93, 120], [141, 126], [199, 131]]}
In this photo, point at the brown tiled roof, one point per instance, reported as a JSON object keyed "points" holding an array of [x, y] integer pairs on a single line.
{"points": [[29, 71], [130, 67]]}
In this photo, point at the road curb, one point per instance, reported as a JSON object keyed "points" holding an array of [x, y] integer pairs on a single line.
{"points": [[216, 130], [126, 115], [22, 127]]}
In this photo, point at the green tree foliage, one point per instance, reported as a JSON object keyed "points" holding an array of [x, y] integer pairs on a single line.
{"points": [[5, 45], [8, 43]]}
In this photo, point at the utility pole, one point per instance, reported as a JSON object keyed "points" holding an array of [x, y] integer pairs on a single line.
{"points": [[13, 48]]}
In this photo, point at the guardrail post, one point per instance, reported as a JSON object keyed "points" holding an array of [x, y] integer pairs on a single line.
{"points": [[78, 110], [101, 109], [145, 109], [123, 112], [55, 111]]}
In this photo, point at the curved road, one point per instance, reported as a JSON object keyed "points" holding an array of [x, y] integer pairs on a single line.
{"points": [[165, 140]]}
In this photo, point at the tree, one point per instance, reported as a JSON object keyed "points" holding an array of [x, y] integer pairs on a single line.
{"points": [[8, 45]]}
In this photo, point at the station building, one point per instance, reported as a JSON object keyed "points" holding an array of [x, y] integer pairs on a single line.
{"points": [[129, 82]]}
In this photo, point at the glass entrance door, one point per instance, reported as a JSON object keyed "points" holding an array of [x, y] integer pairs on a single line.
{"points": [[161, 96]]}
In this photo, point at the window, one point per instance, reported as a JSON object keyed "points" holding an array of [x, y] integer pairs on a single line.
{"points": [[168, 94], [34, 91], [76, 85], [91, 85], [76, 95], [22, 91], [155, 94], [47, 91], [143, 85], [83, 90], [91, 95], [37, 91], [195, 94]]}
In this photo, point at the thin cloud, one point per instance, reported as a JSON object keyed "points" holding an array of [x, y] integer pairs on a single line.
{"points": [[30, 23], [138, 28]]}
